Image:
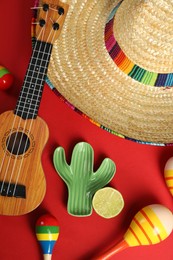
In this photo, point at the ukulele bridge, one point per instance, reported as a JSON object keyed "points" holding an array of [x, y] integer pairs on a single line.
{"points": [[12, 190]]}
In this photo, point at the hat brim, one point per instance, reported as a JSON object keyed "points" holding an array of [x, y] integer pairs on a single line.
{"points": [[82, 71]]}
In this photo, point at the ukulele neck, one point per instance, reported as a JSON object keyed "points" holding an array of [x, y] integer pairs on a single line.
{"points": [[30, 95]]}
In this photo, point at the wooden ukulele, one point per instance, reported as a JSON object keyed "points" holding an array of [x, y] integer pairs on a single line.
{"points": [[23, 134]]}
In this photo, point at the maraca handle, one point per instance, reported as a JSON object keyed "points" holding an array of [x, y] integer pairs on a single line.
{"points": [[47, 256], [113, 250]]}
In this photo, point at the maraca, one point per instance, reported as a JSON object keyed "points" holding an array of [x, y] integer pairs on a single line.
{"points": [[168, 174], [6, 78], [47, 232], [150, 226]]}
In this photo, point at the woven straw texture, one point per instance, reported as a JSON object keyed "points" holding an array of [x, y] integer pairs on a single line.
{"points": [[84, 72]]}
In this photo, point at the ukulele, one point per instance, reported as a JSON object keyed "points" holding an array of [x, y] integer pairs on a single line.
{"points": [[23, 134]]}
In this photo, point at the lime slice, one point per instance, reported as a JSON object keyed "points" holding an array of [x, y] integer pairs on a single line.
{"points": [[108, 202]]}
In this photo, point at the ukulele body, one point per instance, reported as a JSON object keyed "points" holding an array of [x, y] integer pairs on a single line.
{"points": [[22, 181]]}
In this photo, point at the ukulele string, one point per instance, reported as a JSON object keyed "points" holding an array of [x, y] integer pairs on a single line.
{"points": [[10, 134], [6, 153], [50, 33], [12, 150], [18, 148], [25, 126], [26, 143], [18, 175], [7, 144], [13, 147], [9, 139]]}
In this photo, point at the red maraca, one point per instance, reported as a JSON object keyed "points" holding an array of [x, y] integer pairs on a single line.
{"points": [[150, 226], [6, 78], [47, 232]]}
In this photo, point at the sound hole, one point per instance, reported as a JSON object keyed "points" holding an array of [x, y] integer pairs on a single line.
{"points": [[18, 143]]}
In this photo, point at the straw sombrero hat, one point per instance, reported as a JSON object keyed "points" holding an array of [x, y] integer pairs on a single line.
{"points": [[114, 62]]}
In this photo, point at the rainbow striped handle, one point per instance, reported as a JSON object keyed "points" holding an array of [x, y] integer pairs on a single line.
{"points": [[47, 232]]}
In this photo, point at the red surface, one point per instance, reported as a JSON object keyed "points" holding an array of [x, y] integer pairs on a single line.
{"points": [[139, 175]]}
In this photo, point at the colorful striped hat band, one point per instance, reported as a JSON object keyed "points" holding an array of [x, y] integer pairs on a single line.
{"points": [[113, 63], [129, 67]]}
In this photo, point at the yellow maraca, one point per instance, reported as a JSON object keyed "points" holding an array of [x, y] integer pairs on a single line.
{"points": [[151, 225], [168, 174]]}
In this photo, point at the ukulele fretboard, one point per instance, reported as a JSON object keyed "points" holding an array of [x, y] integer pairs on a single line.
{"points": [[30, 95]]}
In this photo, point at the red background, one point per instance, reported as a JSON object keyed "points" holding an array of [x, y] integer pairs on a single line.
{"points": [[139, 175]]}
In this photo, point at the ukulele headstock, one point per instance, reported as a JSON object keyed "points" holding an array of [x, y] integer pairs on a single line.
{"points": [[51, 15]]}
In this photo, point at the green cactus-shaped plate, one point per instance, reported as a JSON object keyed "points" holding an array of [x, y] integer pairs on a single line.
{"points": [[81, 180]]}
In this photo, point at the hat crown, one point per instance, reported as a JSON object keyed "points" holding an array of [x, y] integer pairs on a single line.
{"points": [[143, 30]]}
